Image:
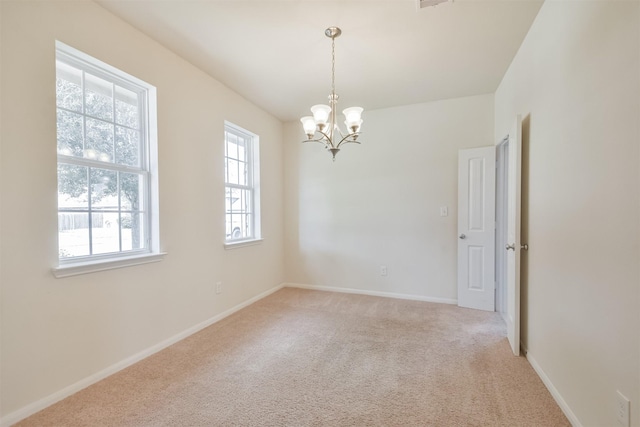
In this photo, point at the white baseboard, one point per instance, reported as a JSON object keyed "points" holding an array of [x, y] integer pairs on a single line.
{"points": [[39, 405], [554, 392], [372, 293]]}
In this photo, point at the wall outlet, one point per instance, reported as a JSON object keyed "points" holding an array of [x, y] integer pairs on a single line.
{"points": [[383, 270], [622, 409], [218, 287]]}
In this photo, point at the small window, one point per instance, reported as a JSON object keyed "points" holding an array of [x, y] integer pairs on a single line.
{"points": [[242, 188], [107, 161]]}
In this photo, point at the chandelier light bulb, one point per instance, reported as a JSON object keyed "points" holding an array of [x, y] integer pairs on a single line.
{"points": [[353, 127], [352, 115], [321, 113], [309, 126]]}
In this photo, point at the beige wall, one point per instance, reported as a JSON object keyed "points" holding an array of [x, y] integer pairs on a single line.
{"points": [[56, 332], [379, 203], [577, 80]]}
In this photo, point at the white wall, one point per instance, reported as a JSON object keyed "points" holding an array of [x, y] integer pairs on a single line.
{"points": [[577, 79], [379, 203], [56, 332]]}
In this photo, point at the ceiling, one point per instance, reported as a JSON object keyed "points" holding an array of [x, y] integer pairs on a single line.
{"points": [[390, 53]]}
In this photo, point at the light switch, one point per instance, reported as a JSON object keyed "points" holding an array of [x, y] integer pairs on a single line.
{"points": [[444, 211]]}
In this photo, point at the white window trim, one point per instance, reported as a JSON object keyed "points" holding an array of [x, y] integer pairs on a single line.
{"points": [[255, 177], [76, 269], [242, 243], [83, 265]]}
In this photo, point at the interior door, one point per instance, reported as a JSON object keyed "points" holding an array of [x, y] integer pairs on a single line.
{"points": [[476, 228], [513, 247]]}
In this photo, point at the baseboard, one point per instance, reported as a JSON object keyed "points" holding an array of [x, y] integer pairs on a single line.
{"points": [[372, 293], [41, 404], [554, 392]]}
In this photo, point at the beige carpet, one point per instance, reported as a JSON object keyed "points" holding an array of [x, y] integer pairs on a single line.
{"points": [[309, 358]]}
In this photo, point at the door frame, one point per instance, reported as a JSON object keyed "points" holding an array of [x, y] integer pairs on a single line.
{"points": [[502, 159], [513, 210]]}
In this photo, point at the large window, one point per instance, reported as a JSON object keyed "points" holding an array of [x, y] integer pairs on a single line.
{"points": [[242, 189], [107, 180]]}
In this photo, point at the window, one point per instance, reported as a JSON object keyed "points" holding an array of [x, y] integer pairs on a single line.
{"points": [[242, 185], [107, 161]]}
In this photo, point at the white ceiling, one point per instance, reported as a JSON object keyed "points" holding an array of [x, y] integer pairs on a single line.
{"points": [[275, 53]]}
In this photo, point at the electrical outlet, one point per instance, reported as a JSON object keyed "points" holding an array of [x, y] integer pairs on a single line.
{"points": [[383, 270], [218, 287], [622, 409]]}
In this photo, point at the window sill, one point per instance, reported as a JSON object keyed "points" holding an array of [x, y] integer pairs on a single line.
{"points": [[76, 269], [242, 244]]}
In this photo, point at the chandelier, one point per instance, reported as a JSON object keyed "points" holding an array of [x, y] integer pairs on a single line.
{"points": [[323, 122]]}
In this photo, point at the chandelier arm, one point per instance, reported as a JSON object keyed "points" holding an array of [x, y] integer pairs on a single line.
{"points": [[321, 141], [327, 139], [346, 139]]}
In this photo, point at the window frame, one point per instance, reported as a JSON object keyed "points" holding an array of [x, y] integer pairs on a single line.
{"points": [[147, 168], [253, 178]]}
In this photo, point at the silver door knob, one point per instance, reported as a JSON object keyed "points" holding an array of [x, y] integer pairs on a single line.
{"points": [[524, 246], [462, 236], [511, 247]]}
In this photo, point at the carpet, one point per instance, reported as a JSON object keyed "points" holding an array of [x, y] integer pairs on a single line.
{"points": [[312, 358]]}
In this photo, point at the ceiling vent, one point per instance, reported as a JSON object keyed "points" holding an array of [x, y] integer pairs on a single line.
{"points": [[428, 3]]}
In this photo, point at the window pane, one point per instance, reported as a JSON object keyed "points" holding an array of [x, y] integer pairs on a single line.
{"points": [[105, 238], [238, 213], [133, 231], [242, 153], [247, 199], [233, 204], [243, 178], [72, 187], [99, 140], [127, 146], [131, 195], [127, 108], [73, 234], [235, 201], [246, 225], [232, 170], [227, 199], [68, 87], [232, 147], [98, 97], [70, 133], [125, 229], [104, 185], [229, 221]]}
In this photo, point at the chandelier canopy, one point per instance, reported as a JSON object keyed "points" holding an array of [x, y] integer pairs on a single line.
{"points": [[323, 122]]}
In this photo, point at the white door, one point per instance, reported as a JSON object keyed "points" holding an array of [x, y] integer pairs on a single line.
{"points": [[476, 228], [513, 247]]}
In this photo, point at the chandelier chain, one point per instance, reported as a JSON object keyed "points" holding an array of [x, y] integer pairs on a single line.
{"points": [[333, 65]]}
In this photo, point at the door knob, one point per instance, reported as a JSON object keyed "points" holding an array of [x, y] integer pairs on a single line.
{"points": [[511, 247], [462, 236], [524, 246]]}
